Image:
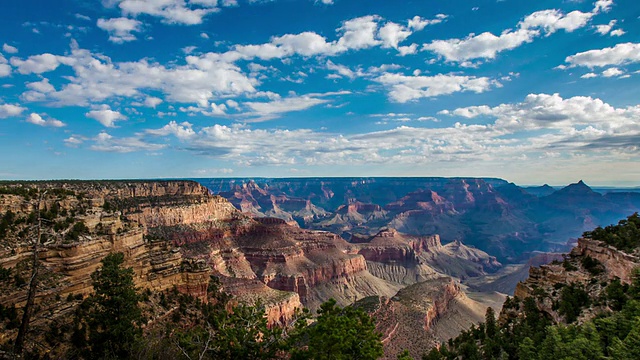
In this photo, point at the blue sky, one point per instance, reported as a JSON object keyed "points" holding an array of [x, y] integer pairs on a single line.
{"points": [[531, 91]]}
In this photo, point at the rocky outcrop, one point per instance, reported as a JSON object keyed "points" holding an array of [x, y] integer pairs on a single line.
{"points": [[414, 317], [617, 263], [589, 266], [422, 256]]}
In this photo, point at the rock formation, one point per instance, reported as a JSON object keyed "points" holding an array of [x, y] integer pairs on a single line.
{"points": [[422, 315]]}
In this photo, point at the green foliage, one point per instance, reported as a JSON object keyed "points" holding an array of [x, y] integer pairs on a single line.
{"points": [[339, 333], [79, 228], [616, 294], [405, 355], [27, 193], [624, 236], [6, 222], [573, 298], [111, 315], [529, 335], [593, 266]]}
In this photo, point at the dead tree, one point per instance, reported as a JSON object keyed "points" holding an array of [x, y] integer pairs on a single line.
{"points": [[33, 284]]}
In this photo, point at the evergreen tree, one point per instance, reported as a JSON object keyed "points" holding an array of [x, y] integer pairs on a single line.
{"points": [[338, 334], [111, 314]]}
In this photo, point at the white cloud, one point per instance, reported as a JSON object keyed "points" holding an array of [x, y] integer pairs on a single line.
{"points": [[325, 2], [620, 54], [96, 78], [602, 6], [38, 64], [589, 76], [204, 35], [36, 119], [188, 49], [42, 86], [553, 20], [407, 50], [343, 70], [120, 29], [262, 111], [417, 23], [5, 69], [617, 32], [170, 11], [540, 125], [152, 101], [82, 17], [218, 110], [487, 45], [107, 143], [611, 72], [9, 49], [10, 110], [605, 29], [359, 33], [73, 141], [105, 116], [543, 111], [182, 131], [392, 34], [403, 88]]}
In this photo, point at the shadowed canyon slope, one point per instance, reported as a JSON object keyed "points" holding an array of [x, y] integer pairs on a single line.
{"points": [[505, 220], [177, 235]]}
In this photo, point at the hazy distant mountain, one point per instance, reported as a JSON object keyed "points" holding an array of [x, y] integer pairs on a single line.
{"points": [[492, 214]]}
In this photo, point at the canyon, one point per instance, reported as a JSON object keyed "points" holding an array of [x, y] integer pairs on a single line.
{"points": [[178, 236], [510, 222], [426, 257]]}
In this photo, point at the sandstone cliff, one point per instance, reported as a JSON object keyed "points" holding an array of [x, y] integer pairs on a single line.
{"points": [[591, 265], [422, 315]]}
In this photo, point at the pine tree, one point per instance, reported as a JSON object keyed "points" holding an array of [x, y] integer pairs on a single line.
{"points": [[338, 334], [113, 316]]}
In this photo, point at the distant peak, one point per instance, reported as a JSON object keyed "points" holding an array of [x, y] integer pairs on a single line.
{"points": [[576, 188]]}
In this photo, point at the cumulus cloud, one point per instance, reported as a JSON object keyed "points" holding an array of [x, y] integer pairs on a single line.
{"points": [[107, 143], [342, 70], [403, 88], [602, 6], [544, 111], [5, 69], [105, 116], [617, 32], [605, 29], [120, 29], [620, 54], [38, 64], [74, 141], [542, 125], [611, 72], [391, 34], [487, 45], [10, 110], [182, 131], [262, 111], [9, 49], [190, 12], [96, 78], [418, 23], [152, 101], [36, 119]]}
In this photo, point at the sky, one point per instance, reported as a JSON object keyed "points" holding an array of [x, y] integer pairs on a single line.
{"points": [[530, 91]]}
